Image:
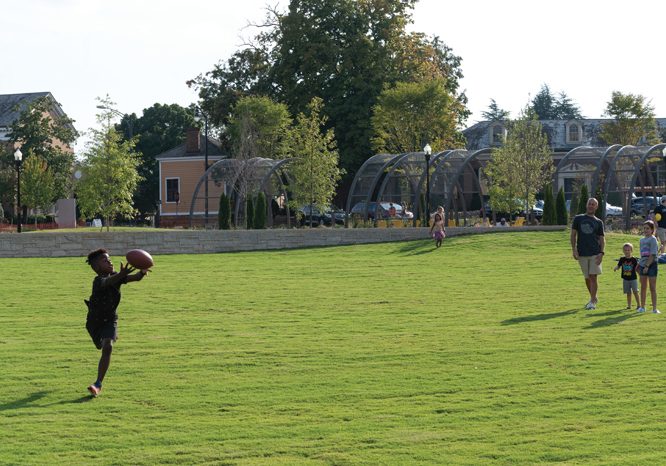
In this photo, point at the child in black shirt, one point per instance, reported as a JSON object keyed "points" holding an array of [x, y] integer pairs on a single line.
{"points": [[102, 318], [628, 266]]}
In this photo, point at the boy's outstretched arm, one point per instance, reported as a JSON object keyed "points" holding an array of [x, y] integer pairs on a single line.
{"points": [[137, 277]]}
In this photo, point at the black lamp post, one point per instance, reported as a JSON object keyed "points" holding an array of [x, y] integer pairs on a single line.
{"points": [[18, 158], [198, 115], [427, 151]]}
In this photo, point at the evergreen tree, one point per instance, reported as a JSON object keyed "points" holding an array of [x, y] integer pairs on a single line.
{"points": [[582, 200], [249, 213], [260, 212], [561, 208], [495, 113], [224, 214], [549, 213]]}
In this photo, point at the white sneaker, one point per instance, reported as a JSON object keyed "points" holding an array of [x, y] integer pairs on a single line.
{"points": [[656, 311], [640, 309], [589, 306]]}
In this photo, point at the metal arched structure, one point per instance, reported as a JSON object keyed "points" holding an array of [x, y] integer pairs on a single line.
{"points": [[403, 178], [636, 169], [466, 171], [242, 176], [442, 168], [365, 183], [580, 165]]}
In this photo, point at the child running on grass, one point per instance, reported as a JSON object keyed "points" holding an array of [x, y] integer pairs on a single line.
{"points": [[647, 266], [438, 227], [102, 321], [628, 265]]}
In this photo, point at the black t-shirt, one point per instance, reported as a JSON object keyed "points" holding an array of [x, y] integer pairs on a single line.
{"points": [[628, 267], [104, 299], [589, 229], [661, 210]]}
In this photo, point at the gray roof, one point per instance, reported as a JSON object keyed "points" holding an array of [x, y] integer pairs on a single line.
{"points": [[478, 136], [9, 112], [214, 149]]}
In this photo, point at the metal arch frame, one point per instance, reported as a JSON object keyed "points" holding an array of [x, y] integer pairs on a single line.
{"points": [[382, 187], [597, 171], [435, 161], [253, 161], [356, 178], [632, 184], [458, 174], [637, 170], [372, 184], [198, 186], [267, 177]]}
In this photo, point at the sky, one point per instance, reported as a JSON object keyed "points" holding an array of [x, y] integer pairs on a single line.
{"points": [[142, 52]]}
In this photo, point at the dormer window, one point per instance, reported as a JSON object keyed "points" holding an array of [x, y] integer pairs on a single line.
{"points": [[497, 135], [574, 133]]}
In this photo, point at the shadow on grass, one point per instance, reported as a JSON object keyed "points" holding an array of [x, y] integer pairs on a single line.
{"points": [[535, 317], [415, 248], [23, 402], [624, 314]]}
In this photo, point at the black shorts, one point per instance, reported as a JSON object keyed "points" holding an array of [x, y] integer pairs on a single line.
{"points": [[100, 329]]}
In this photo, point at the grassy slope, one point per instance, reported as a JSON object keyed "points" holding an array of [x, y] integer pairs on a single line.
{"points": [[476, 353]]}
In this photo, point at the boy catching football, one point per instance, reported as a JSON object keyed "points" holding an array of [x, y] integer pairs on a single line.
{"points": [[102, 321]]}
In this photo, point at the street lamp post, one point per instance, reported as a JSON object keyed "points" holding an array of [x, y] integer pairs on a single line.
{"points": [[427, 151], [18, 158], [201, 114]]}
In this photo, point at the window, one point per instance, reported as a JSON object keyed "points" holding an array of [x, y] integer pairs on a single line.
{"points": [[573, 133], [497, 134], [173, 190]]}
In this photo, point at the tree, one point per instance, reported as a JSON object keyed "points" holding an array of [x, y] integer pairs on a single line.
{"points": [[260, 212], [343, 51], [38, 131], [109, 172], [413, 114], [160, 128], [495, 113], [549, 209], [224, 214], [520, 167], [265, 121], [582, 199], [633, 121], [561, 208], [549, 107], [37, 183], [315, 170], [249, 213]]}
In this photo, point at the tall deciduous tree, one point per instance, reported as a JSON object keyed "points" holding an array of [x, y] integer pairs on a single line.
{"points": [[160, 128], [265, 121], [40, 132], [410, 115], [344, 51], [110, 175], [495, 113], [37, 183], [633, 121], [520, 167], [315, 170]]}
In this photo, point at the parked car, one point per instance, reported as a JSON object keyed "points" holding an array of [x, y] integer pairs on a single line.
{"points": [[382, 210], [613, 210], [334, 214], [304, 216], [643, 205]]}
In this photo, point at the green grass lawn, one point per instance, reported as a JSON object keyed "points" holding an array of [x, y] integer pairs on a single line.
{"points": [[475, 353]]}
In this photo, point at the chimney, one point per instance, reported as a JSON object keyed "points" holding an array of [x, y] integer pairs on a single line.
{"points": [[193, 141]]}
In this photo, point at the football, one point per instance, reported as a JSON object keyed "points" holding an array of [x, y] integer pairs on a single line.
{"points": [[139, 259], [657, 217]]}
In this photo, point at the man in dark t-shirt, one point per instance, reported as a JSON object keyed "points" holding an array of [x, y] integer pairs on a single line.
{"points": [[587, 245]]}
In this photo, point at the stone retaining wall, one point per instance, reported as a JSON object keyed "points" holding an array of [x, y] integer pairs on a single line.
{"points": [[53, 244]]}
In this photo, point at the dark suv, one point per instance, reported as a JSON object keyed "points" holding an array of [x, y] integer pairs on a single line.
{"points": [[643, 205]]}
